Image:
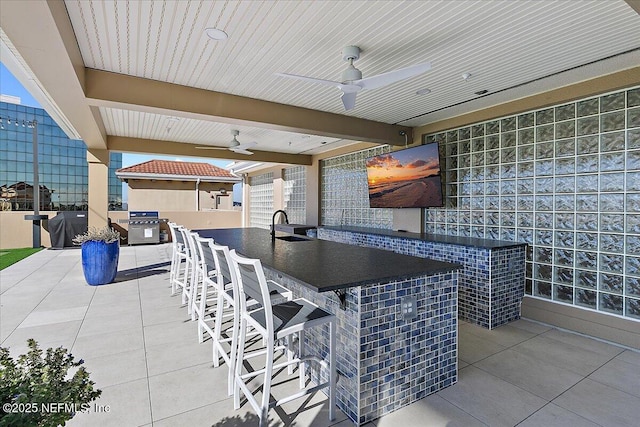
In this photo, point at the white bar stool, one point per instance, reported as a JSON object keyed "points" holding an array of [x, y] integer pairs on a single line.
{"points": [[228, 294], [179, 274], [273, 323], [204, 301], [177, 249]]}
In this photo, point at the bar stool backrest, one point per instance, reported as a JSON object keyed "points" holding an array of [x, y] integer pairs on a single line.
{"points": [[208, 259], [252, 283], [226, 274], [193, 250], [183, 233], [177, 235], [197, 249], [173, 227]]}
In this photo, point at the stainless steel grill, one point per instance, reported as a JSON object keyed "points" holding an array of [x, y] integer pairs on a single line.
{"points": [[144, 227]]}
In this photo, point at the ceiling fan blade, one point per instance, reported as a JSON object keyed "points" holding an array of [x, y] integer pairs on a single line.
{"points": [[345, 87], [241, 151], [310, 79], [392, 76], [208, 147], [349, 100]]}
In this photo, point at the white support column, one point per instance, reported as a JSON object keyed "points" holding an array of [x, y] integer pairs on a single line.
{"points": [[313, 193], [246, 200], [278, 189]]}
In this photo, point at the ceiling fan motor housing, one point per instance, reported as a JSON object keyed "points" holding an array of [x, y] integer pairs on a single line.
{"points": [[234, 141], [350, 52]]}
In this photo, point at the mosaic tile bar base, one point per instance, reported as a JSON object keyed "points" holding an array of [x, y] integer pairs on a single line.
{"points": [[385, 362], [491, 284]]}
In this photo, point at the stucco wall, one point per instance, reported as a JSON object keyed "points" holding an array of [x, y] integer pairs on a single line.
{"points": [[178, 195], [15, 232]]}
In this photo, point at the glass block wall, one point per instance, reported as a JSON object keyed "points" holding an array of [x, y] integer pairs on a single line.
{"points": [[564, 179], [295, 194], [344, 193], [261, 200]]}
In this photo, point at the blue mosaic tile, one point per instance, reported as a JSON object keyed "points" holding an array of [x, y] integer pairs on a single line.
{"points": [[491, 282], [385, 362]]}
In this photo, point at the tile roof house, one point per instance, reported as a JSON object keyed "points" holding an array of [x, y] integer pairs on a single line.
{"points": [[178, 186], [180, 171]]}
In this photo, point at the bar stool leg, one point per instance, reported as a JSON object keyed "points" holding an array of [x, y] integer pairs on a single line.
{"points": [[185, 274], [301, 365], [290, 353], [217, 333], [193, 291], [240, 356], [233, 357], [266, 385]]}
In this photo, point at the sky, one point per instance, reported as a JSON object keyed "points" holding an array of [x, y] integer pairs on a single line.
{"points": [[9, 85]]}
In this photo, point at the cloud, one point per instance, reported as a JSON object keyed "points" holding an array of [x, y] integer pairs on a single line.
{"points": [[424, 164], [416, 164], [386, 161]]}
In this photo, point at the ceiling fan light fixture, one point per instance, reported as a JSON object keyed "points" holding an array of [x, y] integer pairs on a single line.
{"points": [[216, 34], [351, 74]]}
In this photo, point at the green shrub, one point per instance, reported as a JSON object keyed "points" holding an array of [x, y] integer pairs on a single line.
{"points": [[38, 389]]}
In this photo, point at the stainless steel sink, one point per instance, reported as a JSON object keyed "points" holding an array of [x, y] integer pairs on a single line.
{"points": [[292, 239]]}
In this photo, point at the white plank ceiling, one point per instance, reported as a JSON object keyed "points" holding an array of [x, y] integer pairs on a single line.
{"points": [[510, 48]]}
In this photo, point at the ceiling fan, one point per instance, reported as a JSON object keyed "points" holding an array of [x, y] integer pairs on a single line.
{"points": [[235, 146], [352, 81]]}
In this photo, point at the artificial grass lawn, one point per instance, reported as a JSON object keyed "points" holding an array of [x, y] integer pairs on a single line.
{"points": [[11, 256]]}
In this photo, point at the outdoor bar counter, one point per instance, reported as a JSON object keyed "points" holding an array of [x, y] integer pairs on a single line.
{"points": [[396, 314], [491, 279]]}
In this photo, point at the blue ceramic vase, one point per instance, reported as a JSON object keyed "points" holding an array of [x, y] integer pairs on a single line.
{"points": [[100, 261]]}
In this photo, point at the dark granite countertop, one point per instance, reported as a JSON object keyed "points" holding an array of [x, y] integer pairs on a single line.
{"points": [[323, 265], [429, 237]]}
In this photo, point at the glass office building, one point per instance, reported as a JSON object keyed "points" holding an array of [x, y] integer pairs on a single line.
{"points": [[62, 164]]}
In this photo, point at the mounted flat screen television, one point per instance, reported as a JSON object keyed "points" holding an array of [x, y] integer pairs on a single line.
{"points": [[406, 178]]}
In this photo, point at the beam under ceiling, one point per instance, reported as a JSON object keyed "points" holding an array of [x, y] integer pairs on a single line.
{"points": [[112, 90], [152, 146]]}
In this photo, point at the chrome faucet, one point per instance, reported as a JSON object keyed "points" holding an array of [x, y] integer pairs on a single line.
{"points": [[273, 222]]}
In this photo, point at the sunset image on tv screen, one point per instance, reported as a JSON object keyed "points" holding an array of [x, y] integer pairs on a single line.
{"points": [[405, 179]]}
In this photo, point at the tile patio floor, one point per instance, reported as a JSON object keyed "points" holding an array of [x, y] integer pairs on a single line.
{"points": [[142, 351]]}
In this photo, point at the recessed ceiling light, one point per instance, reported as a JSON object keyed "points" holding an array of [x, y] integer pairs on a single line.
{"points": [[481, 92], [424, 91], [466, 76], [216, 34]]}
